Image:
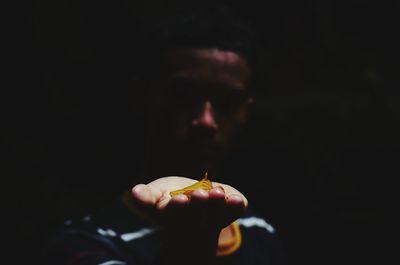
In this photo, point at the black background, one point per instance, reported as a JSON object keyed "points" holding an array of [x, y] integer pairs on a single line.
{"points": [[321, 148]]}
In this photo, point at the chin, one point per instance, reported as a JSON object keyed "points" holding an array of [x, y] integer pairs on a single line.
{"points": [[209, 154]]}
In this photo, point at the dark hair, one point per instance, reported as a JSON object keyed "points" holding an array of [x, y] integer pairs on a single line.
{"points": [[189, 24]]}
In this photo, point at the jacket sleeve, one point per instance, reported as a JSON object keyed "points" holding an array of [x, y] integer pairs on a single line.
{"points": [[81, 248]]}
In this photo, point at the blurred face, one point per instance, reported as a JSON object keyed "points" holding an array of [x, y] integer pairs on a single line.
{"points": [[199, 104]]}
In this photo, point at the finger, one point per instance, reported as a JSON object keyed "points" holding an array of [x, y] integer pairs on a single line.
{"points": [[216, 194], [235, 208], [197, 211], [143, 194], [144, 200], [174, 210], [176, 202], [217, 206], [235, 201], [179, 201], [199, 196], [217, 201], [198, 202], [229, 191]]}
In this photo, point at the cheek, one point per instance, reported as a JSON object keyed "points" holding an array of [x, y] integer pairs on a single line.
{"points": [[230, 127], [235, 121], [233, 124]]}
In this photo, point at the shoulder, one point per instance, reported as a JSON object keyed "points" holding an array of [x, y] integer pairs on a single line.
{"points": [[113, 233]]}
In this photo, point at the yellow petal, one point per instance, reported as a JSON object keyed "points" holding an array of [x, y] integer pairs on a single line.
{"points": [[204, 184]]}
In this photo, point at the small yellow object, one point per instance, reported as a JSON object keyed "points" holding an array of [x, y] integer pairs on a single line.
{"points": [[204, 184]]}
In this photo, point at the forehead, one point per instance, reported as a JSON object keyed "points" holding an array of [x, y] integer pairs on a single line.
{"points": [[209, 65]]}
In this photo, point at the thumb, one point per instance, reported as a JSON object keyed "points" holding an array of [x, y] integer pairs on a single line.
{"points": [[145, 195]]}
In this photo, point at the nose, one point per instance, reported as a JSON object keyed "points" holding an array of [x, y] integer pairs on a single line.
{"points": [[206, 117]]}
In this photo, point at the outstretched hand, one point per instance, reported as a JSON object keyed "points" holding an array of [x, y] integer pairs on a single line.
{"points": [[211, 209], [191, 224]]}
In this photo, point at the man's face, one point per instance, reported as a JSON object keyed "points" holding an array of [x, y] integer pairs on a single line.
{"points": [[200, 103]]}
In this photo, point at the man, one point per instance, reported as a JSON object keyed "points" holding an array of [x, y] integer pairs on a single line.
{"points": [[197, 75]]}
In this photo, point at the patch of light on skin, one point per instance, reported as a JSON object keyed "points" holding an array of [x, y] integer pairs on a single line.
{"points": [[195, 62], [223, 57]]}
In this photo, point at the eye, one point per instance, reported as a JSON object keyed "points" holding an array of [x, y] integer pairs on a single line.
{"points": [[229, 101], [184, 93]]}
